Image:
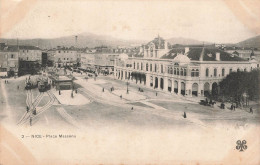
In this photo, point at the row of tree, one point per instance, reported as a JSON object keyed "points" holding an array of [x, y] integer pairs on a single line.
{"points": [[138, 76], [240, 85]]}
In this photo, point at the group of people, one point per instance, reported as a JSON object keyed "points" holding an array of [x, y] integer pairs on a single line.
{"points": [[6, 82]]}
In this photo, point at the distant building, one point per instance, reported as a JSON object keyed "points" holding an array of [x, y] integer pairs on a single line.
{"points": [[30, 60], [9, 60], [187, 71], [30, 53], [63, 56]]}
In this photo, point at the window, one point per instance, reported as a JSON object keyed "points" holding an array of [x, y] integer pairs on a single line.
{"points": [[59, 51], [197, 73], [174, 71], [155, 68], [171, 70], [207, 72], [141, 66], [161, 68], [178, 71], [64, 58], [223, 72], [12, 56], [67, 58], [151, 67], [134, 65], [182, 71], [185, 72], [137, 65], [192, 73], [238, 70], [215, 72], [146, 66]]}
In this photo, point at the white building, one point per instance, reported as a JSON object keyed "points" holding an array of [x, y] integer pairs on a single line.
{"points": [[184, 70], [65, 56]]}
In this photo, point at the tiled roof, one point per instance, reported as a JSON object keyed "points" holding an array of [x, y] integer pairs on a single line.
{"points": [[14, 48], [159, 43], [208, 54]]}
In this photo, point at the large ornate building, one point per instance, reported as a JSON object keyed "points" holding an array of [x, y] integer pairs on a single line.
{"points": [[188, 71]]}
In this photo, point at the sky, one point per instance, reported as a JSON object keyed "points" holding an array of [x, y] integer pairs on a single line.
{"points": [[211, 21]]}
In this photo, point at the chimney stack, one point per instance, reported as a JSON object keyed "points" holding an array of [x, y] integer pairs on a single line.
{"points": [[217, 56], [76, 41]]}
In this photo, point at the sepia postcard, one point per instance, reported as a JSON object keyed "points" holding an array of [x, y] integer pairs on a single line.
{"points": [[121, 82]]}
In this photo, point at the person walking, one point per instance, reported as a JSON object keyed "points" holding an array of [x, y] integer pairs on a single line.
{"points": [[30, 121], [251, 110], [184, 115]]}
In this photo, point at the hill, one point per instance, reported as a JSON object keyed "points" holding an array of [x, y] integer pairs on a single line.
{"points": [[251, 42]]}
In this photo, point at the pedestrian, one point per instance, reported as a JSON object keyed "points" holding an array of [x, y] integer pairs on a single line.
{"points": [[30, 121], [27, 109], [234, 107], [184, 115], [231, 107], [132, 108], [120, 96], [5, 81], [103, 90], [251, 110], [156, 94], [18, 87]]}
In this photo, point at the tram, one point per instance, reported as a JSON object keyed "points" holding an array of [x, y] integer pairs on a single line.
{"points": [[30, 85], [43, 85]]}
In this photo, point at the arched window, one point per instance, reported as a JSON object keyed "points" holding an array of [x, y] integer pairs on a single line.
{"points": [[215, 72], [178, 71], [171, 71], [141, 66], [192, 73], [137, 65], [182, 71], [238, 70], [197, 73], [134, 65], [207, 72], [151, 67], [174, 71], [223, 72], [185, 72], [161, 68]]}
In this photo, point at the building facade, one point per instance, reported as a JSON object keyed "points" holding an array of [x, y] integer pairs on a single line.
{"points": [[9, 60], [65, 56], [187, 71]]}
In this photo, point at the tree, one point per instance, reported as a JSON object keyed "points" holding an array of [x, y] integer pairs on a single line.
{"points": [[238, 83]]}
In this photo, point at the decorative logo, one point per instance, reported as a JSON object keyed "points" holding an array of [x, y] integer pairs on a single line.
{"points": [[241, 146]]}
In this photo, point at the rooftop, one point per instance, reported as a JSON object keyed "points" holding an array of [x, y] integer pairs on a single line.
{"points": [[206, 54]]}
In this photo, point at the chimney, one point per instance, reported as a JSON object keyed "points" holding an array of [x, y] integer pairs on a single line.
{"points": [[217, 56], [76, 41], [187, 49]]}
